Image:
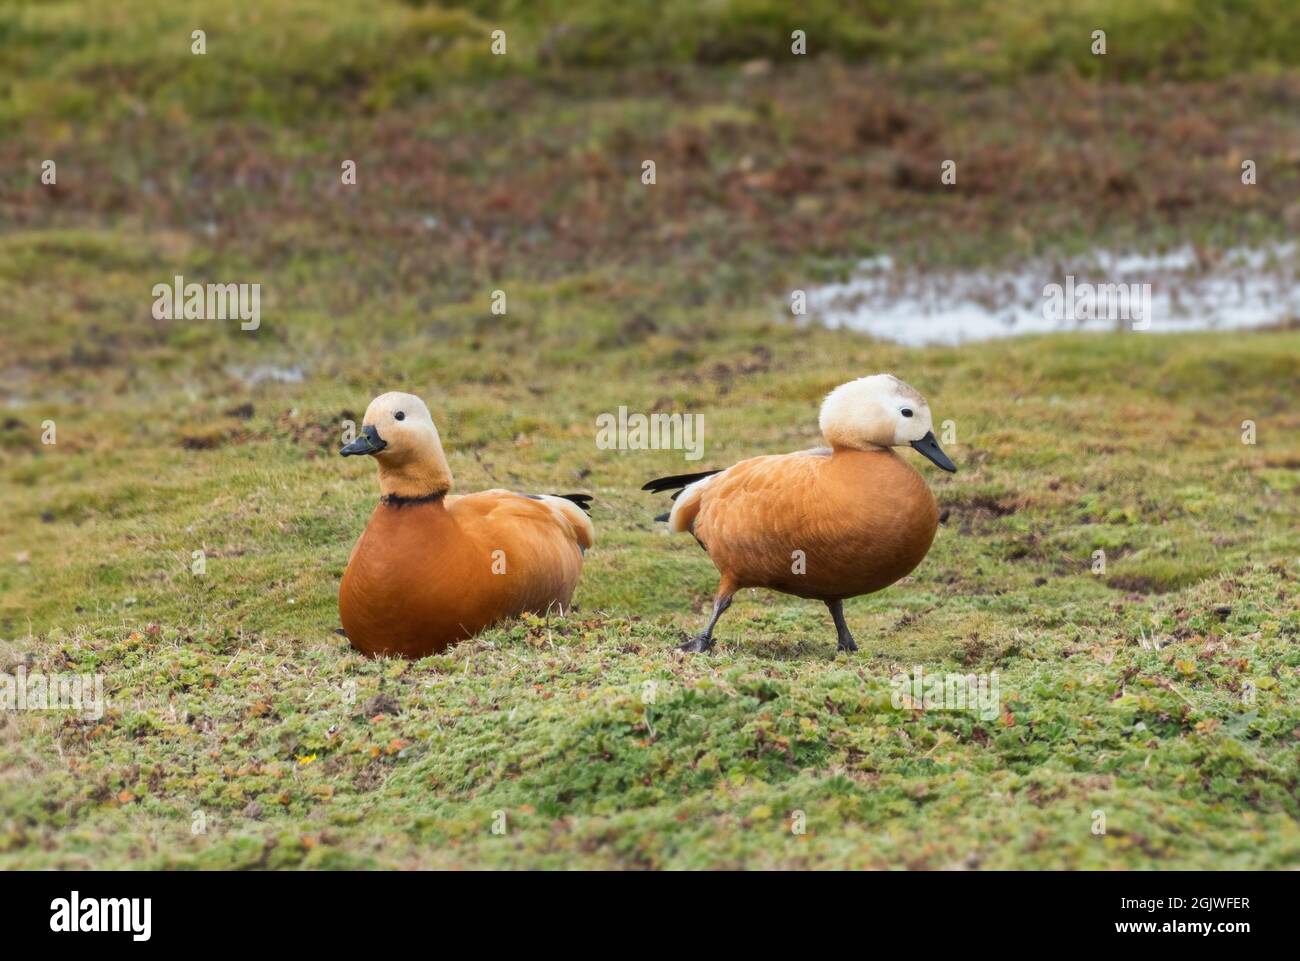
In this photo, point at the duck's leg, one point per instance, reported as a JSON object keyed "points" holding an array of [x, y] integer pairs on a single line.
{"points": [[703, 642], [841, 628]]}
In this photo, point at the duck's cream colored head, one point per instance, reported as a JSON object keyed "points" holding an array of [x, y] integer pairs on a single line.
{"points": [[880, 411], [399, 433]]}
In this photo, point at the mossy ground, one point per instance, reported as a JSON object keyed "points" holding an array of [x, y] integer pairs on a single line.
{"points": [[1161, 692]]}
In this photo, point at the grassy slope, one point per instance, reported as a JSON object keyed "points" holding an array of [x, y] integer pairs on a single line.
{"points": [[77, 61], [231, 689], [232, 696]]}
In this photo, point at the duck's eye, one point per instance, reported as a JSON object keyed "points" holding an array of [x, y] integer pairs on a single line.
{"points": [[906, 412], [401, 415]]}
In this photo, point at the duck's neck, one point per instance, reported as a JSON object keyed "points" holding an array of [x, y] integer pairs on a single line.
{"points": [[845, 450], [423, 474], [397, 500]]}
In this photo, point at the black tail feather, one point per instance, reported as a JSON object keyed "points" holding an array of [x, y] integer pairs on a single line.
{"points": [[677, 481], [582, 500]]}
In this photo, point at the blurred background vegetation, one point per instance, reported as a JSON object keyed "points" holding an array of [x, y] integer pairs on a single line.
{"points": [[287, 59]]}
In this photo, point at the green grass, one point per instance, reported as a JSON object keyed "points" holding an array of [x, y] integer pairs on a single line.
{"points": [[70, 61], [231, 695], [1162, 691]]}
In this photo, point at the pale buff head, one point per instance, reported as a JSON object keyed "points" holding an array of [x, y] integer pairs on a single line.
{"points": [[399, 433], [880, 411]]}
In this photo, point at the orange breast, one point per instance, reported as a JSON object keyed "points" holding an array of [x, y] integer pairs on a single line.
{"points": [[424, 576], [818, 526]]}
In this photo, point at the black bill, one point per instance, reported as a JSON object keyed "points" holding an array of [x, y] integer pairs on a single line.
{"points": [[367, 442], [930, 448]]}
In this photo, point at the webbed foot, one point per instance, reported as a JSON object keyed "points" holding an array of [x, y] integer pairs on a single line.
{"points": [[697, 645]]}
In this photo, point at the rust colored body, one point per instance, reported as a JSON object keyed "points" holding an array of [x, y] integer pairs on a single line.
{"points": [[425, 575], [862, 520], [830, 523]]}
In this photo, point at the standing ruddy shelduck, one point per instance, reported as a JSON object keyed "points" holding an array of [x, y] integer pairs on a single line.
{"points": [[825, 524], [433, 569]]}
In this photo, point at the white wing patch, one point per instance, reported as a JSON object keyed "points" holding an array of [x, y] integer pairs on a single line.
{"points": [[686, 501]]}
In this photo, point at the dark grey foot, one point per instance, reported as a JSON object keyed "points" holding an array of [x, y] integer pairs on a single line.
{"points": [[697, 645], [841, 628], [704, 641]]}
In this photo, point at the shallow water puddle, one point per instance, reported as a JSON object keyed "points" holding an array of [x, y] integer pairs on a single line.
{"points": [[266, 373], [1182, 290]]}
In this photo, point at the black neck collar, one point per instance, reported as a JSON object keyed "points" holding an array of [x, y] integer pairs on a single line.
{"points": [[397, 500]]}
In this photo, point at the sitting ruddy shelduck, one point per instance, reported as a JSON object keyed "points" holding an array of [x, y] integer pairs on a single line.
{"points": [[827, 523], [432, 569]]}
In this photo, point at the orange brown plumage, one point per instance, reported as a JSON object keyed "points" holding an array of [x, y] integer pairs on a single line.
{"points": [[432, 568], [824, 524]]}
